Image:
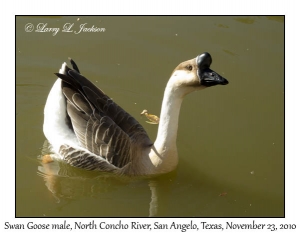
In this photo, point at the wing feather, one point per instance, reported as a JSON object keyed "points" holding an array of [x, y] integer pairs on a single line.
{"points": [[101, 126]]}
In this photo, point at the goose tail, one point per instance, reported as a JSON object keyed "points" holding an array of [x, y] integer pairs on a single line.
{"points": [[55, 128], [63, 69]]}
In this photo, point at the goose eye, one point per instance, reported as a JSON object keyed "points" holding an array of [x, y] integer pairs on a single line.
{"points": [[189, 67]]}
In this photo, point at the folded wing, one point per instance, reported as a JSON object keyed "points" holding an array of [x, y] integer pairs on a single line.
{"points": [[101, 126]]}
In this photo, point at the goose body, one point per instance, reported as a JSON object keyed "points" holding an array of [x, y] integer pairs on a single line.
{"points": [[88, 130]]}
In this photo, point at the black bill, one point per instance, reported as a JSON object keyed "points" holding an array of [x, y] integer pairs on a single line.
{"points": [[207, 76]]}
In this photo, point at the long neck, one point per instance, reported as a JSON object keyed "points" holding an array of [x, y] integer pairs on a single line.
{"points": [[168, 123]]}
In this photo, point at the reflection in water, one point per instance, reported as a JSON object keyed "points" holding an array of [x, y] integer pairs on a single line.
{"points": [[68, 184], [154, 201], [276, 18], [160, 195], [246, 20]]}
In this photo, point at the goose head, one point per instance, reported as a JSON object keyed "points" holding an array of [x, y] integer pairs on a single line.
{"points": [[195, 74]]}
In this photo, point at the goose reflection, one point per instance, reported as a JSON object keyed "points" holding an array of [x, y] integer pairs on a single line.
{"points": [[118, 195]]}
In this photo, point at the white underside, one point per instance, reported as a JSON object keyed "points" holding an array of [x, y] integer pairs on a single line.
{"points": [[55, 128]]}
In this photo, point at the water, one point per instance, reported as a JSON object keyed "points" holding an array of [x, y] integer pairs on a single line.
{"points": [[230, 139]]}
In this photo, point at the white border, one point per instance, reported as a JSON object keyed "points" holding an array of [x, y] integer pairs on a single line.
{"points": [[292, 105]]}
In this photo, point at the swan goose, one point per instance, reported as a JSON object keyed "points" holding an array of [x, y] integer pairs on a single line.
{"points": [[86, 129]]}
